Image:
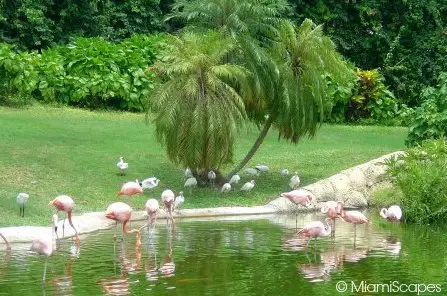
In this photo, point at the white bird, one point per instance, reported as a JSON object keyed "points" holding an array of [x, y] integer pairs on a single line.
{"points": [[294, 181], [21, 200], [212, 177], [234, 179], [393, 213], [252, 172], [46, 245], [179, 200], [262, 168], [226, 188], [284, 172], [191, 182], [149, 183], [248, 186], [122, 166], [188, 173]]}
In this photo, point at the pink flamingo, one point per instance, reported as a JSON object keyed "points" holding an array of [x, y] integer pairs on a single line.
{"points": [[130, 188], [121, 213], [46, 245], [152, 208], [65, 203], [300, 197], [332, 209], [8, 246], [353, 217], [393, 213], [167, 197], [316, 229]]}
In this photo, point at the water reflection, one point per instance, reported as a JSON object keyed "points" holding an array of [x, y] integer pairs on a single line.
{"points": [[223, 258], [119, 284]]}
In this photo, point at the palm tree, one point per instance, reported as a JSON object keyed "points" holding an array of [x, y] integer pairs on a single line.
{"points": [[257, 18], [304, 56], [198, 104]]}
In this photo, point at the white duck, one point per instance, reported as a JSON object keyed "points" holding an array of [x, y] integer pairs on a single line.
{"points": [[234, 179], [122, 166], [226, 188], [22, 198], [149, 183], [248, 186], [295, 181]]}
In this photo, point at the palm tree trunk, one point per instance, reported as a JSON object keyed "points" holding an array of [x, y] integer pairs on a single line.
{"points": [[254, 148]]}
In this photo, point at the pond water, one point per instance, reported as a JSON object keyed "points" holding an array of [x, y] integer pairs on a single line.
{"points": [[237, 256]]}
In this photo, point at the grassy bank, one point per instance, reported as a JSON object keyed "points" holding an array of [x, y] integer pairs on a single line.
{"points": [[50, 151]]}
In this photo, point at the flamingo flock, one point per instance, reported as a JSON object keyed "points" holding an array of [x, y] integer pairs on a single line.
{"points": [[121, 212]]}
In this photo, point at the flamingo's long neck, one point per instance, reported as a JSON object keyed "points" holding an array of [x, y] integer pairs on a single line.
{"points": [[8, 246], [137, 231]]}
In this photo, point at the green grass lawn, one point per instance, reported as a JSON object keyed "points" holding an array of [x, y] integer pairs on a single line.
{"points": [[74, 152]]}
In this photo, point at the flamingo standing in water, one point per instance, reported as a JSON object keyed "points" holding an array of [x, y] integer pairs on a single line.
{"points": [[8, 246], [393, 213], [353, 217], [65, 203], [46, 245], [121, 213], [168, 199], [332, 209], [152, 208], [300, 197], [316, 229]]}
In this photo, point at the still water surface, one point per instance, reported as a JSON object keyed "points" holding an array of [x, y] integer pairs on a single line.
{"points": [[237, 256]]}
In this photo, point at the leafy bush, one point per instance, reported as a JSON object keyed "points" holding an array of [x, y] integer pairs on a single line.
{"points": [[366, 99], [430, 119], [89, 72], [421, 174], [18, 75], [372, 99]]}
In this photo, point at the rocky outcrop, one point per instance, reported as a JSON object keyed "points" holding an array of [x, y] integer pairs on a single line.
{"points": [[352, 186]]}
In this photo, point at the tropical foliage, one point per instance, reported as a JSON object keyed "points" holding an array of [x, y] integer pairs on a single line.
{"points": [[405, 38], [421, 174], [430, 119], [89, 72]]}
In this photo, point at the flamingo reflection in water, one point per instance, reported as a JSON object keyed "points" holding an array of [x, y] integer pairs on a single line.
{"points": [[167, 269], [119, 284]]}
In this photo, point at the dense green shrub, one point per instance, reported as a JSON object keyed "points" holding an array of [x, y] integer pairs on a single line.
{"points": [[366, 99], [421, 174], [430, 119], [89, 72], [18, 75]]}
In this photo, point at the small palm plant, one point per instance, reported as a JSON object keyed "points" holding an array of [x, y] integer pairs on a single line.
{"points": [[198, 104]]}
